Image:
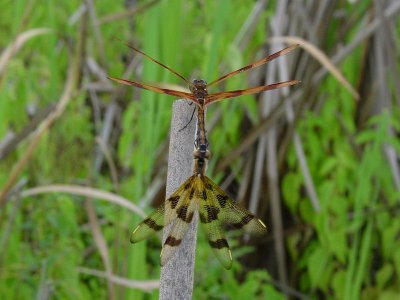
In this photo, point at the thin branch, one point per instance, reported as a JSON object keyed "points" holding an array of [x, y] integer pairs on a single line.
{"points": [[12, 49], [86, 192], [97, 32], [101, 244], [145, 285], [366, 32], [321, 57], [43, 128]]}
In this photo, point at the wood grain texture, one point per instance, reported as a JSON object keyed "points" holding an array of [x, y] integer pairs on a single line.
{"points": [[176, 279]]}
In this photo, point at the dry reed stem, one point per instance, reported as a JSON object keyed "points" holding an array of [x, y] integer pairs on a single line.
{"points": [[144, 285], [176, 281], [86, 192]]}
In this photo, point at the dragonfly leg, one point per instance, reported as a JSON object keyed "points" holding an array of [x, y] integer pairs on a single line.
{"points": [[191, 118]]}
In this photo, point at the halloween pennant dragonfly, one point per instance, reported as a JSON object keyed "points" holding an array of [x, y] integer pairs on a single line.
{"points": [[199, 193]]}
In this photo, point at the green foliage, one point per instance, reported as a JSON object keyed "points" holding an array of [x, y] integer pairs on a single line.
{"points": [[256, 285], [352, 227], [216, 283]]}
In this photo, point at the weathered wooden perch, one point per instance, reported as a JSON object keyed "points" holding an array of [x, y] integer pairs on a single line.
{"points": [[176, 280]]}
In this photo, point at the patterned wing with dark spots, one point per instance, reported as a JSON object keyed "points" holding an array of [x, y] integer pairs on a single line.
{"points": [[163, 215], [184, 211], [210, 212], [174, 201], [157, 89], [215, 209], [230, 94], [232, 214], [153, 223]]}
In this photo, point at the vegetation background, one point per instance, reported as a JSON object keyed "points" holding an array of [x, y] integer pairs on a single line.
{"points": [[319, 162]]}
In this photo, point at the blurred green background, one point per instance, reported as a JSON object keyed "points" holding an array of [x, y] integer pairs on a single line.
{"points": [[319, 162]]}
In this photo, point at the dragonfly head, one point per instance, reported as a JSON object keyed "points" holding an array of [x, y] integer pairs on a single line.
{"points": [[199, 87], [199, 82]]}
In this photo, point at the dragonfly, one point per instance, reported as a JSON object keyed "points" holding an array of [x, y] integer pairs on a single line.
{"points": [[199, 194]]}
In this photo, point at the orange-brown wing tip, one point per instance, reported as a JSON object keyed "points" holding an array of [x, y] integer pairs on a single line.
{"points": [[288, 49], [289, 83], [282, 84], [122, 81], [296, 81]]}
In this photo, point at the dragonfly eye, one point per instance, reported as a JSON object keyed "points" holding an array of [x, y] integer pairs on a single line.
{"points": [[199, 83], [202, 82]]}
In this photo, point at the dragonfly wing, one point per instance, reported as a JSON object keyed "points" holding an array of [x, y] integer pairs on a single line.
{"points": [[157, 62], [153, 223], [184, 210], [230, 94], [156, 89], [176, 200], [236, 216], [163, 215], [210, 212], [255, 64]]}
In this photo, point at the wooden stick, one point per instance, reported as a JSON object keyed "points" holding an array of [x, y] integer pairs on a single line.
{"points": [[176, 280]]}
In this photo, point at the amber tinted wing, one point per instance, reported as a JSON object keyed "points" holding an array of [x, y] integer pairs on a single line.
{"points": [[176, 199], [210, 216], [236, 216], [153, 223], [163, 215], [224, 95], [157, 62], [156, 89], [255, 64], [184, 210]]}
